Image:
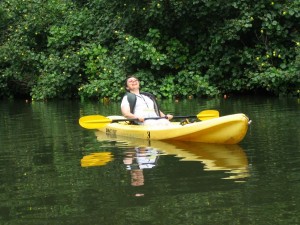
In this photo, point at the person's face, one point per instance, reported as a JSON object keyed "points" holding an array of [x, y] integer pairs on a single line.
{"points": [[133, 83]]}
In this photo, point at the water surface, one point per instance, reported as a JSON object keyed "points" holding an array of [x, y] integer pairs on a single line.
{"points": [[52, 171]]}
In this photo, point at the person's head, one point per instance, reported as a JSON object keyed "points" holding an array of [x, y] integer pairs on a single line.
{"points": [[132, 83]]}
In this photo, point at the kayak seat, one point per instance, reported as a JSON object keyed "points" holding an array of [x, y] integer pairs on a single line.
{"points": [[186, 121]]}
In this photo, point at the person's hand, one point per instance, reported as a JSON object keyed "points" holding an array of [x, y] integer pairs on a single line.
{"points": [[141, 119], [169, 116]]}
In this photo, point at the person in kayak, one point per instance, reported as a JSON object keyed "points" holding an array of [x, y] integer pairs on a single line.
{"points": [[141, 105]]}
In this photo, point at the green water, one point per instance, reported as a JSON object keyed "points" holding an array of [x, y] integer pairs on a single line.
{"points": [[52, 171]]}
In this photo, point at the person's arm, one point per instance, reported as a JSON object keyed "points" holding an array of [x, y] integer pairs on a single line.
{"points": [[125, 108]]}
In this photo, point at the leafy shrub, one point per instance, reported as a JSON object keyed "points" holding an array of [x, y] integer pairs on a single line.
{"points": [[62, 48]]}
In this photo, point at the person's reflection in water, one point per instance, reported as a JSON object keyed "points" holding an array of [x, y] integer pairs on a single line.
{"points": [[136, 162]]}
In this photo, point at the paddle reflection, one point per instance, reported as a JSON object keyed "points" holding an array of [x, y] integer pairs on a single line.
{"points": [[228, 158], [96, 159]]}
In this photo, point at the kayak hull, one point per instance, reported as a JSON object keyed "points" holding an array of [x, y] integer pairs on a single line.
{"points": [[230, 129]]}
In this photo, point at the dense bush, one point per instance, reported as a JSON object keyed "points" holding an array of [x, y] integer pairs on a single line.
{"points": [[86, 48]]}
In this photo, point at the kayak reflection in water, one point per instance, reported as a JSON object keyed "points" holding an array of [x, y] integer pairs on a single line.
{"points": [[136, 162], [140, 105]]}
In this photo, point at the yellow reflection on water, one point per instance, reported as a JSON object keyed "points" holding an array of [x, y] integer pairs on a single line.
{"points": [[228, 158], [96, 159]]}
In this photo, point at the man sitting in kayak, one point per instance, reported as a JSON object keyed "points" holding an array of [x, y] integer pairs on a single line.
{"points": [[141, 105]]}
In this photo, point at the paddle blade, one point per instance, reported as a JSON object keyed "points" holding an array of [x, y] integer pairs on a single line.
{"points": [[96, 159], [94, 121], [208, 114]]}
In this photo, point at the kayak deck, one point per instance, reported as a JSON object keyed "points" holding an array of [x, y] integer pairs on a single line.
{"points": [[229, 129]]}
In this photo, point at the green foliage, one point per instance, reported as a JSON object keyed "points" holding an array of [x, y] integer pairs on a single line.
{"points": [[63, 48], [277, 81], [139, 52], [102, 73], [23, 41], [280, 81], [58, 77], [76, 27]]}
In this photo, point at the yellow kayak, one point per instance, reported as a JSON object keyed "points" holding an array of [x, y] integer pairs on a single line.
{"points": [[230, 129]]}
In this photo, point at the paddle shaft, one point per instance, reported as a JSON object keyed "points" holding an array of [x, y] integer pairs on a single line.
{"points": [[97, 121], [154, 118]]}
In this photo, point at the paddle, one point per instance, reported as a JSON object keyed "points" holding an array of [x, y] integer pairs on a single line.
{"points": [[99, 121]]}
